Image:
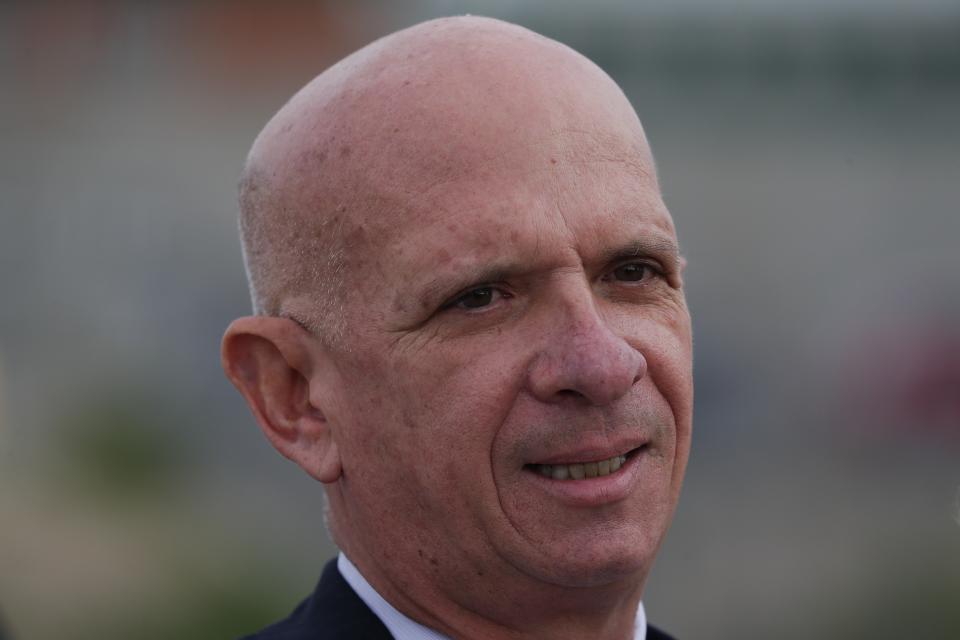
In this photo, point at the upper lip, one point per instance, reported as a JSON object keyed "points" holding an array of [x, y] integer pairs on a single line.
{"points": [[581, 454]]}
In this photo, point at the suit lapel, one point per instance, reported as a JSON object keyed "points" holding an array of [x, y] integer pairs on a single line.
{"points": [[333, 612]]}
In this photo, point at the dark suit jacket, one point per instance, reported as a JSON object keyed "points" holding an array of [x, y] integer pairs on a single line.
{"points": [[335, 612]]}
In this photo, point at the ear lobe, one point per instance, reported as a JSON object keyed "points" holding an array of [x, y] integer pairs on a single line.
{"points": [[271, 361]]}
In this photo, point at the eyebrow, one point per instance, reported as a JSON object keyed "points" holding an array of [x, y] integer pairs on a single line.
{"points": [[441, 287], [662, 248]]}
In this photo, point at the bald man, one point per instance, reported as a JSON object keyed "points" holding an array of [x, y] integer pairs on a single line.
{"points": [[470, 327]]}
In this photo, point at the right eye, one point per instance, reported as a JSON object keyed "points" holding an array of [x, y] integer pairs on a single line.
{"points": [[477, 298]]}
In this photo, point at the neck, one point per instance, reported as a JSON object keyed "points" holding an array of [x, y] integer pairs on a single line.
{"points": [[494, 609]]}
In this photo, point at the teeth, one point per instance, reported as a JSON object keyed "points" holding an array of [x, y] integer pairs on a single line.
{"points": [[581, 470]]}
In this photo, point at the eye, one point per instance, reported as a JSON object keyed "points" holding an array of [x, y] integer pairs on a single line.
{"points": [[632, 272], [477, 298]]}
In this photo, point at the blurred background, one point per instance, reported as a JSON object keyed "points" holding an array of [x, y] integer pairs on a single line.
{"points": [[810, 153]]}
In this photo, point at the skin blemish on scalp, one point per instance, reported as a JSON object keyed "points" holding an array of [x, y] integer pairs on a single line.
{"points": [[312, 157], [553, 161], [356, 236], [345, 151]]}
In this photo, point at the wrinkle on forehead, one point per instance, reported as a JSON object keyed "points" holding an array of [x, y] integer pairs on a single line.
{"points": [[570, 146]]}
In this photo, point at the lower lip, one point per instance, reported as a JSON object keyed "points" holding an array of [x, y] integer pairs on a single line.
{"points": [[593, 492]]}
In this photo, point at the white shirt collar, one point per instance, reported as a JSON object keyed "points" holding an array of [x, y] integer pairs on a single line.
{"points": [[403, 628]]}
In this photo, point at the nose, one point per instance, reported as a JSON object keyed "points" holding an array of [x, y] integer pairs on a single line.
{"points": [[584, 358]]}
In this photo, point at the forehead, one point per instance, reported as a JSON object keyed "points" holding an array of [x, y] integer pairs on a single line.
{"points": [[556, 206]]}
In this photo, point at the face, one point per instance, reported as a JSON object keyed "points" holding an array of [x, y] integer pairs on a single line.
{"points": [[514, 394]]}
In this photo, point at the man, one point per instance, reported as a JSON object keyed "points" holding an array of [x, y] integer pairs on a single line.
{"points": [[470, 327]]}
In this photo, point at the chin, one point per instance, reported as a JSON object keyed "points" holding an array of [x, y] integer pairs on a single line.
{"points": [[594, 565]]}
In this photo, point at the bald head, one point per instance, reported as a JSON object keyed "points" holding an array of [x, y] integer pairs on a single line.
{"points": [[363, 147]]}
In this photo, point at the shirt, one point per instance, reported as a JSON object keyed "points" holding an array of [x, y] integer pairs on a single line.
{"points": [[403, 628]]}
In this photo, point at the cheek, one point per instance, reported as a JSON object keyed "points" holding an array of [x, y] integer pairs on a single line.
{"points": [[670, 366], [664, 338], [420, 451], [438, 404], [669, 351]]}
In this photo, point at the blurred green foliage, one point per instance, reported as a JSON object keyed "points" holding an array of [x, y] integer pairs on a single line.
{"points": [[118, 447], [119, 455], [238, 605]]}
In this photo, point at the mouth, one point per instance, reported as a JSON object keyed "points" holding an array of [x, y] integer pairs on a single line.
{"points": [[584, 470]]}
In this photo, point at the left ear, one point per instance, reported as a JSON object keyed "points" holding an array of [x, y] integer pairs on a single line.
{"points": [[272, 361]]}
